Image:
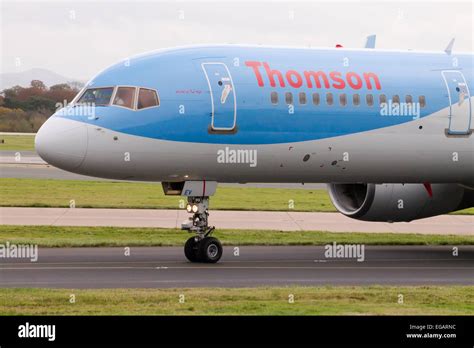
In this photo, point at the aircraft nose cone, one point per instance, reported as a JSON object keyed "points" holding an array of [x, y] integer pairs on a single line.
{"points": [[62, 142]]}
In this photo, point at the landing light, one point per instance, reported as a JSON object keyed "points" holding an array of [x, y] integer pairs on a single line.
{"points": [[189, 208], [195, 208]]}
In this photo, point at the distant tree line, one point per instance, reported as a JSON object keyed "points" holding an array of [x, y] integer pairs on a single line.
{"points": [[25, 109]]}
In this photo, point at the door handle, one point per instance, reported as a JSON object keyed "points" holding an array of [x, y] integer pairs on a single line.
{"points": [[225, 93]]}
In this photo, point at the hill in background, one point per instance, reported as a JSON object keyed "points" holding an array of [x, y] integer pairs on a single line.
{"points": [[49, 78]]}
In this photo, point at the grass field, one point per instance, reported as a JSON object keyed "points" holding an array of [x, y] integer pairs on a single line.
{"points": [[108, 194], [358, 300], [17, 142], [59, 236]]}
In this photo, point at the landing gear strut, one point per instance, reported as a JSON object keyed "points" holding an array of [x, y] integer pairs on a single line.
{"points": [[202, 247]]}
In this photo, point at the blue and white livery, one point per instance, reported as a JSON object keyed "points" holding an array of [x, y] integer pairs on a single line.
{"points": [[389, 131]]}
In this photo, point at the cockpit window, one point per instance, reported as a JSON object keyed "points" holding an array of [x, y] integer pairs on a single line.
{"points": [[147, 98], [96, 96], [125, 97]]}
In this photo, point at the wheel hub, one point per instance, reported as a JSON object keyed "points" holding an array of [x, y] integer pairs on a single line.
{"points": [[212, 251]]}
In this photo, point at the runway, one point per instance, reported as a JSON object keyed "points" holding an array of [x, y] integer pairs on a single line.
{"points": [[166, 267], [260, 220]]}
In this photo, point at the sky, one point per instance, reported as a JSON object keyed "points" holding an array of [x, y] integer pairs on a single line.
{"points": [[78, 39]]}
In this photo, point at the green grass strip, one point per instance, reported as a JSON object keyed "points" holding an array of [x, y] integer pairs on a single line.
{"points": [[75, 236], [327, 300], [111, 194]]}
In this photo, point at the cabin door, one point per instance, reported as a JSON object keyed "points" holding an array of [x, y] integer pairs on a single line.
{"points": [[459, 97], [223, 101]]}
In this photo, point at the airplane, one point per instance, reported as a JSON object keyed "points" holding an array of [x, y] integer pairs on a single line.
{"points": [[389, 131]]}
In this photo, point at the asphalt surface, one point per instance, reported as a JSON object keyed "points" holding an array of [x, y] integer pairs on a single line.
{"points": [[40, 171], [166, 267]]}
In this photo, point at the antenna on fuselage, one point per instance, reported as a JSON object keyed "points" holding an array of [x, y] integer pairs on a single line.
{"points": [[449, 48], [370, 42]]}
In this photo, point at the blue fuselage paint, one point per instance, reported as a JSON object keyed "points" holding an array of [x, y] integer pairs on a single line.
{"points": [[185, 111]]}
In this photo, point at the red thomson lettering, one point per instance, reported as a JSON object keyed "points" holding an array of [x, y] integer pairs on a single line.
{"points": [[255, 65], [314, 79], [339, 81], [367, 77], [350, 76], [299, 81], [271, 73], [316, 75]]}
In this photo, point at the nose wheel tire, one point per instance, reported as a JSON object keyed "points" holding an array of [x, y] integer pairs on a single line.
{"points": [[210, 250], [206, 250], [191, 249]]}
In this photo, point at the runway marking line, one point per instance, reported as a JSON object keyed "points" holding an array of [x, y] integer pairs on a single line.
{"points": [[244, 261], [235, 267]]}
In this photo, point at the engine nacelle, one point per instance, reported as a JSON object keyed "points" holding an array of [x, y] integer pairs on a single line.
{"points": [[398, 202]]}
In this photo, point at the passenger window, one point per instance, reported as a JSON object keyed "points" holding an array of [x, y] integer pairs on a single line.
{"points": [[408, 99], [369, 98], [422, 101], [329, 99], [302, 97], [383, 99], [125, 97], [356, 99], [289, 98], [147, 98], [316, 98], [343, 99], [274, 97], [396, 99]]}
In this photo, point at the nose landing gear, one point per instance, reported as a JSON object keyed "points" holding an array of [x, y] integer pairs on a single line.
{"points": [[202, 247]]}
